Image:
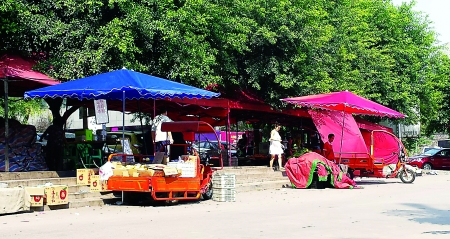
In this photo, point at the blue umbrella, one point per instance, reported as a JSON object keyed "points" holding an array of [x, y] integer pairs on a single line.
{"points": [[120, 85], [115, 84]]}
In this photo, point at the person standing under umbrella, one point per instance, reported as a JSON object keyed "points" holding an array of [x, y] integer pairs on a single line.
{"points": [[161, 138], [276, 147]]}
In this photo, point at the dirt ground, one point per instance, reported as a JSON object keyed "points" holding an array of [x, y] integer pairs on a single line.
{"points": [[383, 209]]}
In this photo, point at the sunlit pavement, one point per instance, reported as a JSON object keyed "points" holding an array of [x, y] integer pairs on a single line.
{"points": [[382, 209]]}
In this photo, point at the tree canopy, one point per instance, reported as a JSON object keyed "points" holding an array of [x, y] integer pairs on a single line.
{"points": [[277, 48]]}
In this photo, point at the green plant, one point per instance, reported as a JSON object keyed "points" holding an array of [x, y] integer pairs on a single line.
{"points": [[300, 152]]}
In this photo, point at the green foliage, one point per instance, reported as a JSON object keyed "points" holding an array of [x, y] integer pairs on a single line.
{"points": [[414, 145], [278, 48], [300, 152], [21, 110]]}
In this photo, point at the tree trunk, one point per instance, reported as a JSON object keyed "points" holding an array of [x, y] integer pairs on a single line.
{"points": [[58, 121]]}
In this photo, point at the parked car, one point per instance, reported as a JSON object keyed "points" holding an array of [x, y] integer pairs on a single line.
{"points": [[136, 140], [426, 148], [437, 158], [212, 148]]}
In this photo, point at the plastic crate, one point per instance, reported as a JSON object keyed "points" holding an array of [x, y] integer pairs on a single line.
{"points": [[224, 195], [224, 181]]}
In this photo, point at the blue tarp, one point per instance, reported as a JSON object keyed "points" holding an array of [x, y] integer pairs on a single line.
{"points": [[111, 85]]}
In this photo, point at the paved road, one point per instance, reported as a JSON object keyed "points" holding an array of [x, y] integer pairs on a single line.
{"points": [[383, 209]]}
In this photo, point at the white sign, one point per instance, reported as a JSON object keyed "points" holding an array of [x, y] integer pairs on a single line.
{"points": [[127, 150], [409, 131], [101, 112]]}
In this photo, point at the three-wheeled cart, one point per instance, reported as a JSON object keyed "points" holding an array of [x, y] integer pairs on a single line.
{"points": [[382, 161], [174, 187]]}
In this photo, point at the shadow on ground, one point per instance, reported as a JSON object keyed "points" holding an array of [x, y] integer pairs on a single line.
{"points": [[374, 182], [425, 214]]}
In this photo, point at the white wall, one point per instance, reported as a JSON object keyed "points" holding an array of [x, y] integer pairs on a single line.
{"points": [[115, 119]]}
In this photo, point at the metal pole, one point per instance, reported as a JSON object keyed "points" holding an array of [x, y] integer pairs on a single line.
{"points": [[154, 116], [123, 121], [342, 134], [142, 127], [227, 133], [154, 108], [5, 83], [237, 137]]}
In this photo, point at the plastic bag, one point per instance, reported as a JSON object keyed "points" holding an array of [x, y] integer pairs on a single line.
{"points": [[106, 171]]}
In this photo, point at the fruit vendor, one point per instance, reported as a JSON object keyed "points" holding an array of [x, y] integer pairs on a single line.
{"points": [[328, 148]]}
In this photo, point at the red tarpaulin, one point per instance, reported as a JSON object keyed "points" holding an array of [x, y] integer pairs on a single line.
{"points": [[300, 172], [364, 124], [21, 77]]}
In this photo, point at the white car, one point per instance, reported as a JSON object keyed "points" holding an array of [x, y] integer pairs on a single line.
{"points": [[426, 148]]}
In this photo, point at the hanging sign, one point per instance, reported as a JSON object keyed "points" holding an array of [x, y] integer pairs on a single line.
{"points": [[101, 112]]}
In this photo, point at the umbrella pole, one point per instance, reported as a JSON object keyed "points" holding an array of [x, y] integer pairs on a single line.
{"points": [[342, 135], [227, 135], [154, 108], [5, 83], [154, 116], [123, 122], [142, 127]]}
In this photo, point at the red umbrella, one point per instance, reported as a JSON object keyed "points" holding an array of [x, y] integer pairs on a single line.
{"points": [[18, 77], [346, 102]]}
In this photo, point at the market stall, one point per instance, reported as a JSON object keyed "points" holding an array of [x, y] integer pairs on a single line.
{"points": [[180, 177], [120, 85], [370, 155]]}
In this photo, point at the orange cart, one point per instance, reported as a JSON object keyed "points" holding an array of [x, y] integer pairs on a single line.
{"points": [[174, 187]]}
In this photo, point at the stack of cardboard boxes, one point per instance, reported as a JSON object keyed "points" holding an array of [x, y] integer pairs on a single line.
{"points": [[50, 195], [90, 177]]}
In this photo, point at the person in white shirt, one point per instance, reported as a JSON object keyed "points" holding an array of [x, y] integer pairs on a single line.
{"points": [[276, 147], [161, 138]]}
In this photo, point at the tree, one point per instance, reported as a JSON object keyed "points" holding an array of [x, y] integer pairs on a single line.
{"points": [[277, 48]]}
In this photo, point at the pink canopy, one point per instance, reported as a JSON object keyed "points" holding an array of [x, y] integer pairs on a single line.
{"points": [[345, 101], [330, 122]]}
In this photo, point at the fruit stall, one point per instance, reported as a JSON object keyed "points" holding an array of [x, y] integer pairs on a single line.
{"points": [[174, 177]]}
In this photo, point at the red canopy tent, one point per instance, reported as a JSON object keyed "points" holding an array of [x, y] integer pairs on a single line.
{"points": [[21, 76], [17, 76]]}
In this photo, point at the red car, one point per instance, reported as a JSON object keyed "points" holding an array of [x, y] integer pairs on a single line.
{"points": [[432, 159]]}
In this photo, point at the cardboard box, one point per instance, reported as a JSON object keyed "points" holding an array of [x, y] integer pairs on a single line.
{"points": [[36, 196], [168, 171], [189, 159], [84, 175], [98, 185], [186, 170], [131, 172], [117, 165], [146, 173], [56, 195], [119, 172]]}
